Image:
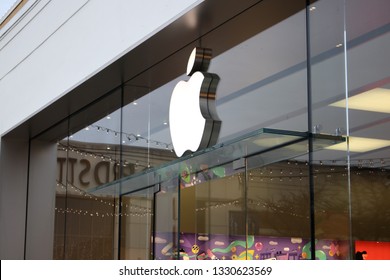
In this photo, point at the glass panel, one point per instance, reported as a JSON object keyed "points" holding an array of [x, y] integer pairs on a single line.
{"points": [[278, 209], [279, 196], [83, 222], [263, 79], [327, 63], [212, 217], [368, 42], [86, 224], [143, 118], [330, 189], [166, 244], [136, 225]]}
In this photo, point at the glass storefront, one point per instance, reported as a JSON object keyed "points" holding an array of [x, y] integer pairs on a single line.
{"points": [[300, 169]]}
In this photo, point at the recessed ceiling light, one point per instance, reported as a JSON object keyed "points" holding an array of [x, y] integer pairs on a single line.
{"points": [[312, 8], [135, 103], [108, 118], [375, 100], [165, 123], [360, 144], [339, 45]]}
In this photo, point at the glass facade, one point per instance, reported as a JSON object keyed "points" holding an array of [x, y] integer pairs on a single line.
{"points": [[301, 166]]}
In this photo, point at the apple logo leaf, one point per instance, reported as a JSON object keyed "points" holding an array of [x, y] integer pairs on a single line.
{"points": [[193, 120]]}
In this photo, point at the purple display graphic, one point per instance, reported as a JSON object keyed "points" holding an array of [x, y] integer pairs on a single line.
{"points": [[224, 247]]}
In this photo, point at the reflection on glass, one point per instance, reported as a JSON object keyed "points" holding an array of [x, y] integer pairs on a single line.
{"points": [[87, 158], [369, 90], [83, 222], [327, 59], [330, 210], [278, 210], [136, 225], [143, 120], [212, 213], [166, 244]]}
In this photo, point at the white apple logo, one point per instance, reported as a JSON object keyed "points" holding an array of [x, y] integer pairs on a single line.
{"points": [[193, 119]]}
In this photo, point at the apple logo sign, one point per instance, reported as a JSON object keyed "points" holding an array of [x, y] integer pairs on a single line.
{"points": [[193, 119]]}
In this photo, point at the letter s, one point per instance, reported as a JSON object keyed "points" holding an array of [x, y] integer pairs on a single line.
{"points": [[84, 172]]}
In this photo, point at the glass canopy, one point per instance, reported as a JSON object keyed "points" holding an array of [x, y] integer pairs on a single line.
{"points": [[273, 144]]}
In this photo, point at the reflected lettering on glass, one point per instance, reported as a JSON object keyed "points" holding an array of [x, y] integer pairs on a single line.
{"points": [[87, 173]]}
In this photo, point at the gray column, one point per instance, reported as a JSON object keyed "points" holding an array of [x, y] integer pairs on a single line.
{"points": [[13, 193], [41, 200]]}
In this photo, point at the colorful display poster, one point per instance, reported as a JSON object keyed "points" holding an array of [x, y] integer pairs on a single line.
{"points": [[225, 247]]}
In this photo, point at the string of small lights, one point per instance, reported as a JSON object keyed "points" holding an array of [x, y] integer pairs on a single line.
{"points": [[130, 209], [109, 155], [131, 137]]}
